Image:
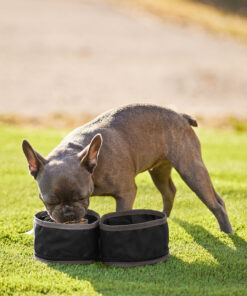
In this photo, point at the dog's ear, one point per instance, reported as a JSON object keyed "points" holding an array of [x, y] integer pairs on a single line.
{"points": [[89, 155], [34, 159]]}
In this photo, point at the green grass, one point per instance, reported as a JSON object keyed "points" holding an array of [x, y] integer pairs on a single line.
{"points": [[204, 261]]}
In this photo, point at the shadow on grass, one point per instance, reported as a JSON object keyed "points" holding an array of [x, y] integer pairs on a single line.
{"points": [[175, 276], [216, 248]]}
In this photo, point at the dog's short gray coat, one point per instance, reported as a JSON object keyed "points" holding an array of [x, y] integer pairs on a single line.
{"points": [[104, 156]]}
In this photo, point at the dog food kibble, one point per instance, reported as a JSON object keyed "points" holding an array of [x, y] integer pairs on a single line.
{"points": [[74, 222]]}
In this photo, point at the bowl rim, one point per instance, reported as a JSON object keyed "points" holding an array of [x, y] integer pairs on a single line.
{"points": [[162, 220], [76, 226]]}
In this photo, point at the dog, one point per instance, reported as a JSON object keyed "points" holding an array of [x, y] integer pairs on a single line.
{"points": [[103, 157]]}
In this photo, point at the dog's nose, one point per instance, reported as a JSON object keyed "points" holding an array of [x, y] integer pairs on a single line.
{"points": [[68, 214], [68, 211], [67, 208]]}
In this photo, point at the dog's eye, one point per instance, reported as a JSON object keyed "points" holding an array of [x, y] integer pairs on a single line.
{"points": [[81, 197], [75, 197]]}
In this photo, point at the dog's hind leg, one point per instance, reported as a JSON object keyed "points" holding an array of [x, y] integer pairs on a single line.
{"points": [[161, 176], [188, 162]]}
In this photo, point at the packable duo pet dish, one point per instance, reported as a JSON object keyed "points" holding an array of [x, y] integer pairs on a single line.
{"points": [[128, 238]]}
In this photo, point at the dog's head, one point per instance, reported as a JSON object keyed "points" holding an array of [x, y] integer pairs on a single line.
{"points": [[65, 184]]}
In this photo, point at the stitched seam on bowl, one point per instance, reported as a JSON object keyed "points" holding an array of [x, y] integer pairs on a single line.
{"points": [[104, 259], [62, 258], [136, 226], [137, 263], [68, 226], [139, 226], [133, 212], [64, 261]]}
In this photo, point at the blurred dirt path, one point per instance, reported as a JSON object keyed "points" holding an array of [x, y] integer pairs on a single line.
{"points": [[78, 56]]}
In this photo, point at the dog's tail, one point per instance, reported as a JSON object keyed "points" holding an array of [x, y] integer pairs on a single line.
{"points": [[191, 120]]}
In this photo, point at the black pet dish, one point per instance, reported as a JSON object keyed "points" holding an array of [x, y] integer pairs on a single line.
{"points": [[134, 238], [66, 243]]}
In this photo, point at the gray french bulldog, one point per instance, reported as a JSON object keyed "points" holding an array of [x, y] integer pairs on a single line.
{"points": [[103, 157]]}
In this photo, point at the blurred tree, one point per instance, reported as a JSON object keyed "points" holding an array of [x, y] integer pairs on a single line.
{"points": [[233, 6]]}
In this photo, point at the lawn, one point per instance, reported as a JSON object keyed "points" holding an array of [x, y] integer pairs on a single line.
{"points": [[203, 260]]}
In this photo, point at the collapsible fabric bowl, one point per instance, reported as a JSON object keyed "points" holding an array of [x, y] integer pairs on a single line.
{"points": [[133, 238], [66, 243]]}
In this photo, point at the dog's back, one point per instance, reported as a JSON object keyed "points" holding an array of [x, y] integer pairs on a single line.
{"points": [[141, 132]]}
